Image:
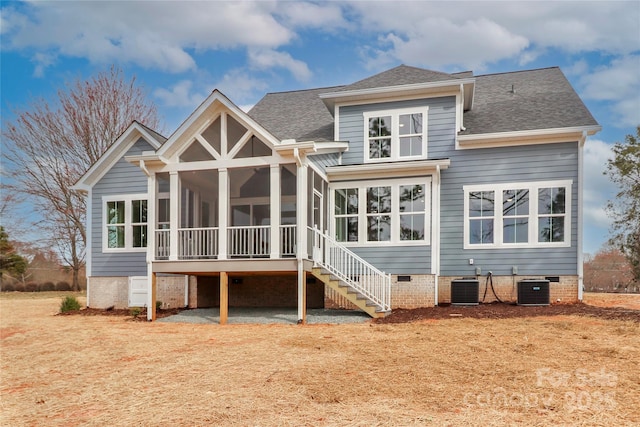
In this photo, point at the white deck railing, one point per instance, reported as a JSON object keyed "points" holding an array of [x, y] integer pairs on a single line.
{"points": [[288, 240], [202, 243], [341, 262], [197, 243], [162, 244], [249, 241]]}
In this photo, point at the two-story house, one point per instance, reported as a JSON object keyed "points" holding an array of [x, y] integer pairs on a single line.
{"points": [[375, 194]]}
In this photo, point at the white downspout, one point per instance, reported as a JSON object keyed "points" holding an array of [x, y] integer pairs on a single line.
{"points": [[186, 290], [580, 214], [88, 236], [435, 232]]}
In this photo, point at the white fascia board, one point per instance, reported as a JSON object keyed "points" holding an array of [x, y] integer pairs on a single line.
{"points": [[311, 147], [386, 170], [146, 159], [524, 137], [331, 98], [216, 96], [113, 154]]}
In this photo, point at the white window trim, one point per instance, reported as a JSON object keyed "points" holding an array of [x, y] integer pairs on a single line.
{"points": [[395, 133], [395, 211], [128, 225], [533, 187]]}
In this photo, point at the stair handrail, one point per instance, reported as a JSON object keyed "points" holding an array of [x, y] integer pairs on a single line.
{"points": [[377, 290]]}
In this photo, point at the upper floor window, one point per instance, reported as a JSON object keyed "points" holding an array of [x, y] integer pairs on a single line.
{"points": [[530, 214], [125, 223], [395, 135]]}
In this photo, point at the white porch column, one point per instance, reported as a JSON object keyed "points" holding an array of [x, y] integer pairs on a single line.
{"points": [[151, 219], [274, 198], [302, 293], [301, 233], [223, 213], [151, 245], [435, 231], [174, 220], [301, 209]]}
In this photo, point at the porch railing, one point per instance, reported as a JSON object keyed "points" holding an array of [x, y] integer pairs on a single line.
{"points": [[249, 241], [288, 240], [197, 243], [341, 262]]}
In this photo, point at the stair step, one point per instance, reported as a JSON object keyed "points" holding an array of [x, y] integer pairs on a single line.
{"points": [[349, 292]]}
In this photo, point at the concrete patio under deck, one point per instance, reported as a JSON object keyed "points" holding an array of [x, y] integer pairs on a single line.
{"points": [[288, 316]]}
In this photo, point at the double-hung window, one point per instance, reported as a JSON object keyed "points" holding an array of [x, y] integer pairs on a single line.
{"points": [[381, 212], [125, 223], [346, 214], [396, 134], [531, 214]]}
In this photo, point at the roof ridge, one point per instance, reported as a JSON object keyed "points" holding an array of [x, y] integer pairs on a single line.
{"points": [[520, 71], [305, 90]]}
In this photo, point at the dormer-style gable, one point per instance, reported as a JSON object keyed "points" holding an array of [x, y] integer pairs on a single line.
{"points": [[116, 151], [403, 82]]}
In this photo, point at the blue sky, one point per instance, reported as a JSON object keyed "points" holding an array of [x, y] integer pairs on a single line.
{"points": [[180, 51]]}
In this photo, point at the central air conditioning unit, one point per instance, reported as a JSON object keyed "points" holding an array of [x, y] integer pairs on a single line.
{"points": [[465, 292], [533, 292]]}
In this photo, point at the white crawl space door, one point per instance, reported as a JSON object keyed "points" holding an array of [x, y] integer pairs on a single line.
{"points": [[137, 291]]}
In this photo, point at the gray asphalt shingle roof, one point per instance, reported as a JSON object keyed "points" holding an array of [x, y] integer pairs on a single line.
{"points": [[400, 75], [299, 115], [543, 99]]}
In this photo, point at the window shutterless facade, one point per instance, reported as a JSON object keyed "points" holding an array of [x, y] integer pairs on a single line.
{"points": [[531, 214], [382, 212], [395, 135], [125, 223]]}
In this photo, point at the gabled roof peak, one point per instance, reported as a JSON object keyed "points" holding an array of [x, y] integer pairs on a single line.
{"points": [[398, 76]]}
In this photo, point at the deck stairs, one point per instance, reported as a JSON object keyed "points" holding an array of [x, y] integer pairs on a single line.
{"points": [[350, 276]]}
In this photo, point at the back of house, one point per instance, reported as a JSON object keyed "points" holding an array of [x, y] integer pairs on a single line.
{"points": [[374, 195]]}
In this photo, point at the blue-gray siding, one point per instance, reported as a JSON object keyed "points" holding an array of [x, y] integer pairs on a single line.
{"points": [[441, 126], [481, 166], [123, 178], [397, 259], [500, 165], [441, 130]]}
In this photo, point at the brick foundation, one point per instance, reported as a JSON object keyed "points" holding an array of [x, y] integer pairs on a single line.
{"points": [[506, 288], [417, 292], [105, 292], [258, 291]]}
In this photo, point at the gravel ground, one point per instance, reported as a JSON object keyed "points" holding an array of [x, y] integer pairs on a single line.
{"points": [[267, 315]]}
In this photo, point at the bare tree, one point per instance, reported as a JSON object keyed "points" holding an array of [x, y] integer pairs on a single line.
{"points": [[53, 144]]}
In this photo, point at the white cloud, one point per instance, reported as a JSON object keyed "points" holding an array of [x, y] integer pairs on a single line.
{"points": [[470, 44], [620, 83], [42, 61], [239, 85], [181, 94], [262, 59], [157, 35], [578, 68], [325, 16], [467, 33]]}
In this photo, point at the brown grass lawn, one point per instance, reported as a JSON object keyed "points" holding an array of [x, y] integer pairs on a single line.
{"points": [[108, 370]]}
